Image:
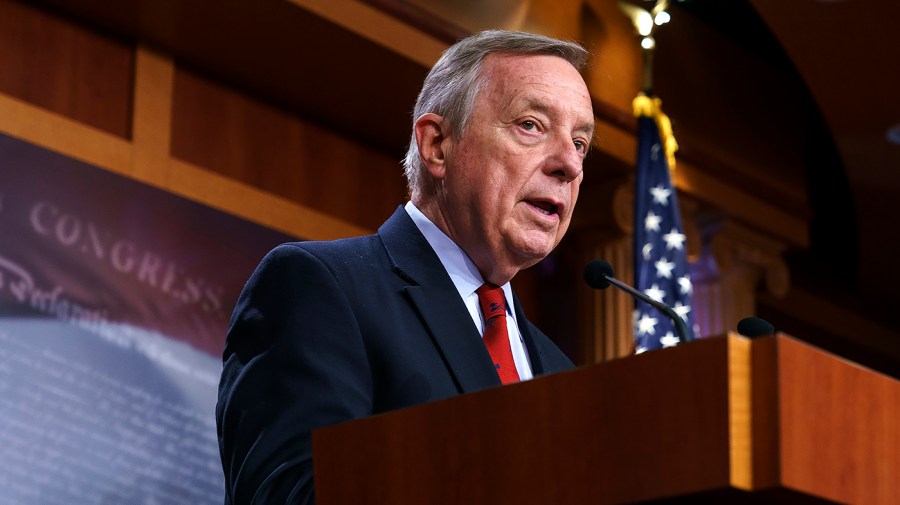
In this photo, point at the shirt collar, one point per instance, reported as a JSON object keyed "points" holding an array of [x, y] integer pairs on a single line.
{"points": [[459, 266]]}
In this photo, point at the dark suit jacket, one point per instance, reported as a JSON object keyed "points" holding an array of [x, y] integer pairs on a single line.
{"points": [[326, 332]]}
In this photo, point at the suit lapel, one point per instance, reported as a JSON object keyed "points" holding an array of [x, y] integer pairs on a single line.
{"points": [[455, 335], [434, 297]]}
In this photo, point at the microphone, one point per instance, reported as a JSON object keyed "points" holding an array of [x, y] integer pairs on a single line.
{"points": [[755, 327], [599, 274]]}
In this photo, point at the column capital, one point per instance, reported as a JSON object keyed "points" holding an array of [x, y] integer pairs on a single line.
{"points": [[737, 250]]}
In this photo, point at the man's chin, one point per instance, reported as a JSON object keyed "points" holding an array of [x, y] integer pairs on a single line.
{"points": [[534, 250]]}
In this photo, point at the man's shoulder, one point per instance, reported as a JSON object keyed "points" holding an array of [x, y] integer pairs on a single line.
{"points": [[331, 252], [398, 247], [333, 246]]}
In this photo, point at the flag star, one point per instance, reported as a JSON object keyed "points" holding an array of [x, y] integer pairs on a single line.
{"points": [[651, 222], [684, 284], [669, 340], [640, 349], [661, 195], [655, 293], [664, 268], [647, 250], [647, 325], [674, 240], [681, 309]]}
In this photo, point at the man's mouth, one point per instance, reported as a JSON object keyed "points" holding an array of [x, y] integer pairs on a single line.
{"points": [[544, 207]]}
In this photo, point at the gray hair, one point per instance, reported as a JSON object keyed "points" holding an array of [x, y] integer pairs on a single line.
{"points": [[455, 80]]}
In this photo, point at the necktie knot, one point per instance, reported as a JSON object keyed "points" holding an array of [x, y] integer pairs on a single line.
{"points": [[492, 301]]}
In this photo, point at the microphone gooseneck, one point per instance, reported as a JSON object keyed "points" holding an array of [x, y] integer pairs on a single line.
{"points": [[599, 274]]}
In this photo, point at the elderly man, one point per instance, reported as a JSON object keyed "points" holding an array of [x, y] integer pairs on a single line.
{"points": [[326, 332]]}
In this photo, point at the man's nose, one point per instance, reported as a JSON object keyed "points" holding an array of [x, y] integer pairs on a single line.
{"points": [[566, 161]]}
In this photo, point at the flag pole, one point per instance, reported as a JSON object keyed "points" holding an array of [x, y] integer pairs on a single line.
{"points": [[661, 269]]}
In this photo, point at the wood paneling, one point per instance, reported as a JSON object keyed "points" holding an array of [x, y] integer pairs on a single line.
{"points": [[236, 136], [324, 60], [840, 427], [66, 68]]}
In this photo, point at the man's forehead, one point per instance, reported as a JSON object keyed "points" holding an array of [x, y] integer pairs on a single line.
{"points": [[517, 65], [512, 73], [534, 83]]}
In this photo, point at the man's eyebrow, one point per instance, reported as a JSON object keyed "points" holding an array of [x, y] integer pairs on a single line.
{"points": [[535, 104], [587, 128]]}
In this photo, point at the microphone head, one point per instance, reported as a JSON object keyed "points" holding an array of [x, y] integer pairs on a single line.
{"points": [[596, 272], [755, 327]]}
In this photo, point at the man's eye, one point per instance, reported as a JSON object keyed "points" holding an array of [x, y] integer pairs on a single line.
{"points": [[528, 125], [580, 146]]}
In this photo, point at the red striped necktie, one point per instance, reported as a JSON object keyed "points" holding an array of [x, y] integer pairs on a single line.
{"points": [[496, 337]]}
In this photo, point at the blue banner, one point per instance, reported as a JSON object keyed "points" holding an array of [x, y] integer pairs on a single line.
{"points": [[114, 302]]}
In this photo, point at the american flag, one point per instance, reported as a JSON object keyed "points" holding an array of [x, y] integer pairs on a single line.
{"points": [[660, 255]]}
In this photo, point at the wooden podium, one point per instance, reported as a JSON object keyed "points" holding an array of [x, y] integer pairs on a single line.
{"points": [[719, 420]]}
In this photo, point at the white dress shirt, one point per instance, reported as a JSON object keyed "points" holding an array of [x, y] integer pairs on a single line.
{"points": [[467, 279]]}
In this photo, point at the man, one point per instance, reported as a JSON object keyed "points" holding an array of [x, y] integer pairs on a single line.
{"points": [[326, 332]]}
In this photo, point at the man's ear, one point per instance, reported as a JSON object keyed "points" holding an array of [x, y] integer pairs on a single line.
{"points": [[431, 132]]}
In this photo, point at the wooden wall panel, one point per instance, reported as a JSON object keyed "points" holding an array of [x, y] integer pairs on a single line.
{"points": [[66, 68], [236, 136]]}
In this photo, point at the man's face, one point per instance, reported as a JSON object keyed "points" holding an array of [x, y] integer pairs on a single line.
{"points": [[511, 180]]}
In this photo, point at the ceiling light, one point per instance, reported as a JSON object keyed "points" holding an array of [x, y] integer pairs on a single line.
{"points": [[640, 18], [644, 23]]}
